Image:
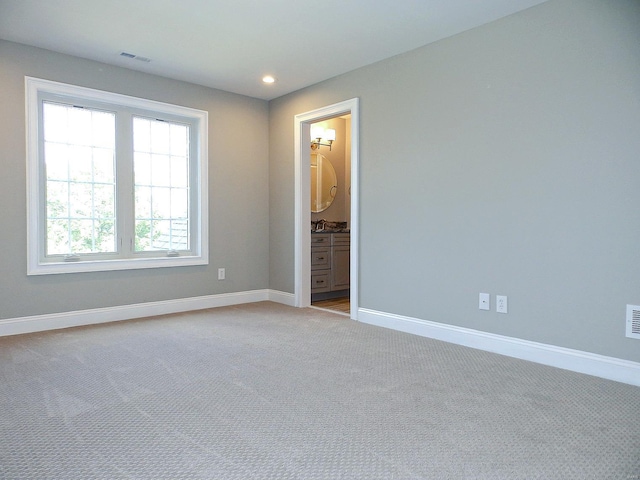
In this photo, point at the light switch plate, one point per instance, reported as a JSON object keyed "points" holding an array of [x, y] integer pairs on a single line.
{"points": [[484, 301]]}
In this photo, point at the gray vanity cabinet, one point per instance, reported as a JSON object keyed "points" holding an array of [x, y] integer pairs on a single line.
{"points": [[340, 255], [329, 262]]}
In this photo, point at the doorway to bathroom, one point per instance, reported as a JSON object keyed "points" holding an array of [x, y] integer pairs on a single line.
{"points": [[330, 204], [339, 231]]}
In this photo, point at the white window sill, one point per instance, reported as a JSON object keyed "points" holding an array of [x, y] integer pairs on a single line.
{"points": [[53, 268]]}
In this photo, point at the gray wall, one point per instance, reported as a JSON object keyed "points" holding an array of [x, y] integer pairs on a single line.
{"points": [[502, 160], [238, 192]]}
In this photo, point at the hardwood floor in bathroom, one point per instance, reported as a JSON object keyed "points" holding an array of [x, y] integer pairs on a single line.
{"points": [[342, 305]]}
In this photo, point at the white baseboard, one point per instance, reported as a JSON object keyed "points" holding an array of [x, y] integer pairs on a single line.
{"points": [[575, 360], [38, 323], [282, 297]]}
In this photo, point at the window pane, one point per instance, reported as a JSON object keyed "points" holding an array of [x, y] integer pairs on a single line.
{"points": [[143, 235], [179, 203], [80, 194], [179, 173], [80, 199], [80, 164], [179, 234], [57, 199], [142, 168], [179, 139], [103, 165], [162, 235], [58, 236], [57, 161], [161, 202], [104, 235], [160, 170], [160, 137], [162, 212], [103, 201], [141, 135], [56, 124], [79, 128], [82, 240], [143, 202], [103, 129]]}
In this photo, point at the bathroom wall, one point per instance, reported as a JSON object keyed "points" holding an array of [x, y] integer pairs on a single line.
{"points": [[338, 210]]}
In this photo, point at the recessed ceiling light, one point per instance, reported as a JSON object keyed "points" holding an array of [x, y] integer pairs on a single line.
{"points": [[268, 79]]}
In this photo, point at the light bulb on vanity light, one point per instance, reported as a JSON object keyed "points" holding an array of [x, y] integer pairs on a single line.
{"points": [[317, 132], [329, 135]]}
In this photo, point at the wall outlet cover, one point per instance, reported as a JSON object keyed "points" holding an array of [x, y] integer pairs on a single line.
{"points": [[501, 304]]}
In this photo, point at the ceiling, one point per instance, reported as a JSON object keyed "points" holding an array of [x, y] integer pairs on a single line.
{"points": [[232, 44]]}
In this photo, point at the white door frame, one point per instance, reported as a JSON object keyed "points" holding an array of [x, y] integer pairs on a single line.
{"points": [[302, 140]]}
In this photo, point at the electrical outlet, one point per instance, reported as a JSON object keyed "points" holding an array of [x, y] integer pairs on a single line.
{"points": [[501, 304], [484, 301], [221, 274]]}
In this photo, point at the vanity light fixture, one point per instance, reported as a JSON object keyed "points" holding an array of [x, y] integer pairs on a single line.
{"points": [[318, 134]]}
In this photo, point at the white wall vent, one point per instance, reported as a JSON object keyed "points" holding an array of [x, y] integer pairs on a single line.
{"points": [[633, 321]]}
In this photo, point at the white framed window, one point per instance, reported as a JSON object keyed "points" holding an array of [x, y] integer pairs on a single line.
{"points": [[113, 182]]}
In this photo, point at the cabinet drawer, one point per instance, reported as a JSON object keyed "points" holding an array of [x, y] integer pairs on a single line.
{"points": [[341, 239], [320, 239], [320, 281], [320, 258]]}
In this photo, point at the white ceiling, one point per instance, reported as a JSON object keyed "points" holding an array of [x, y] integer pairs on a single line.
{"points": [[232, 44]]}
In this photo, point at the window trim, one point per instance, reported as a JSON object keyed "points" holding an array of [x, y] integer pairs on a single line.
{"points": [[35, 88]]}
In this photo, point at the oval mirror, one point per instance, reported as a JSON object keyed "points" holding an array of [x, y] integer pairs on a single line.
{"points": [[324, 183]]}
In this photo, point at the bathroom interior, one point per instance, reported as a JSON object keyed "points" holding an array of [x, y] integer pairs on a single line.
{"points": [[331, 213]]}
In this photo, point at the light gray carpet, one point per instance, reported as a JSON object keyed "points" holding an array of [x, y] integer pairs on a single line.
{"points": [[264, 391]]}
